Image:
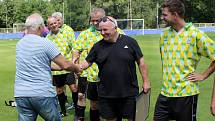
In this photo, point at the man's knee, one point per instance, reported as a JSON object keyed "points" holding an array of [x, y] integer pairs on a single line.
{"points": [[73, 87], [81, 99], [94, 105], [60, 90]]}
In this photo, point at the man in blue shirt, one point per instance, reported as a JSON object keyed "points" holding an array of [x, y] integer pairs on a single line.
{"points": [[33, 90]]}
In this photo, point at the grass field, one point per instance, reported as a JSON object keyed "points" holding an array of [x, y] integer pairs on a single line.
{"points": [[150, 48]]}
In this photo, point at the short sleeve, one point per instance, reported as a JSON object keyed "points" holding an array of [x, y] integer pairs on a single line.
{"points": [[137, 51], [51, 50], [91, 57], [206, 46]]}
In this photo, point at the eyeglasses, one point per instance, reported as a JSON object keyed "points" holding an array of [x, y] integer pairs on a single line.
{"points": [[105, 19]]}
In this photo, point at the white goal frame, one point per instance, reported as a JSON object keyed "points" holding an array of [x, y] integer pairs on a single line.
{"points": [[18, 27], [131, 23]]}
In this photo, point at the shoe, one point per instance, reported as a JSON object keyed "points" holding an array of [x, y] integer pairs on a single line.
{"points": [[76, 118], [70, 107], [80, 119], [63, 114]]}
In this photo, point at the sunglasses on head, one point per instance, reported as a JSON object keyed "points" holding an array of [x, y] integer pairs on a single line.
{"points": [[105, 19]]}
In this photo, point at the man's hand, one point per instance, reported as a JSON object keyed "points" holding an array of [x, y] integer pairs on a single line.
{"points": [[75, 56], [195, 77], [78, 70], [146, 86]]}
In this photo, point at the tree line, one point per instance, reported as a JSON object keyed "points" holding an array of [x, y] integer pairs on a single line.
{"points": [[76, 12]]}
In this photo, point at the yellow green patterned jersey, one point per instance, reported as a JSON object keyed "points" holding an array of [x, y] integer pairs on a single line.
{"points": [[83, 44], [64, 40], [180, 54]]}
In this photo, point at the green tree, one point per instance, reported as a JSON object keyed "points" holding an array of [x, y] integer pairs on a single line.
{"points": [[77, 15], [7, 13]]}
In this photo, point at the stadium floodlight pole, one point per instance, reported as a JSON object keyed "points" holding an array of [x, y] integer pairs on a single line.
{"points": [[130, 14], [63, 10], [157, 14], [90, 6], [6, 16]]}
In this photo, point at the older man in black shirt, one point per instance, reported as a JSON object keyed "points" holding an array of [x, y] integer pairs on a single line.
{"points": [[115, 56]]}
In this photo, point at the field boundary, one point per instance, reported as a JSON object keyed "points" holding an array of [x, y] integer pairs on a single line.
{"points": [[6, 36]]}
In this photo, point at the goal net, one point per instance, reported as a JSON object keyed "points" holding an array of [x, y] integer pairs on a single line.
{"points": [[131, 24], [18, 27]]}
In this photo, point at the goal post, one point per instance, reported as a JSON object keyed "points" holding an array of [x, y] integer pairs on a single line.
{"points": [[18, 27], [131, 24]]}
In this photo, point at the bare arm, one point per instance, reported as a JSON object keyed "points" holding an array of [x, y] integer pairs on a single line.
{"points": [[213, 100], [144, 73], [75, 56], [199, 77], [55, 67], [65, 64]]}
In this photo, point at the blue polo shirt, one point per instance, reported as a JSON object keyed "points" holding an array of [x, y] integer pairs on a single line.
{"points": [[33, 67]]}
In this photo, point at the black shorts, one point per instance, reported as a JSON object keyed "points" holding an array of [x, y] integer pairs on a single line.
{"points": [[176, 108], [110, 108], [82, 84], [63, 79], [92, 91]]}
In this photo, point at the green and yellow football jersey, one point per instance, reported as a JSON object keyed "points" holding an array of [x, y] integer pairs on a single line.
{"points": [[64, 40], [180, 54]]}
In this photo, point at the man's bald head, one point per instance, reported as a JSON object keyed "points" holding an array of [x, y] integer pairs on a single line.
{"points": [[108, 29], [109, 20], [34, 22]]}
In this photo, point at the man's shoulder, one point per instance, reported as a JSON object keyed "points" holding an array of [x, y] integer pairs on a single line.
{"points": [[32, 37], [127, 38], [120, 31], [35, 39], [100, 43], [66, 27], [85, 31], [167, 29], [48, 35]]}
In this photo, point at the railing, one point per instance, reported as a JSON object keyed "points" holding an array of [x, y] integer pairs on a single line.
{"points": [[204, 24], [195, 24], [6, 30]]}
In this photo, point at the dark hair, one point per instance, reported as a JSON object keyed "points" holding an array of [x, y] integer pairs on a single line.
{"points": [[175, 6]]}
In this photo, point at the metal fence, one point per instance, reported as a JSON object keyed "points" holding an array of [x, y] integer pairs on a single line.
{"points": [[6, 30]]}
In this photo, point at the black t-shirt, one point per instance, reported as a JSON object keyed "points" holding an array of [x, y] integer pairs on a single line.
{"points": [[117, 69]]}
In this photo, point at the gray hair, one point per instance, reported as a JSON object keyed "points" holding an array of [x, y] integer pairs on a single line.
{"points": [[33, 22], [96, 10], [115, 22], [58, 14]]}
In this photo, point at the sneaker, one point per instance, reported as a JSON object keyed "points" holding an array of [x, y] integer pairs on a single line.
{"points": [[63, 114], [70, 107]]}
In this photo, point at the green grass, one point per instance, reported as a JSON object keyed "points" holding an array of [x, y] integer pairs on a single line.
{"points": [[150, 48]]}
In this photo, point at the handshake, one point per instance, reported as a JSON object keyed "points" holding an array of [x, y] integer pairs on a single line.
{"points": [[78, 68]]}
